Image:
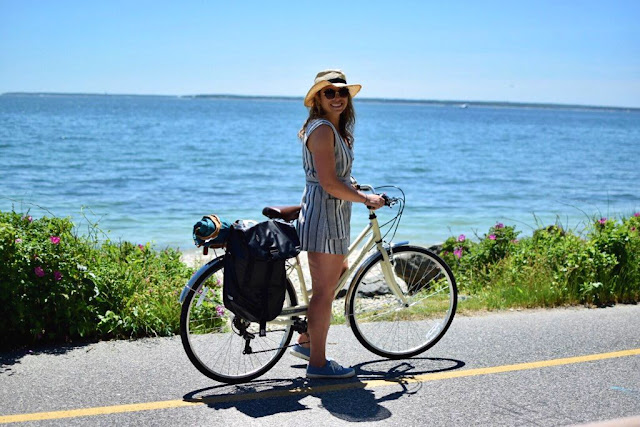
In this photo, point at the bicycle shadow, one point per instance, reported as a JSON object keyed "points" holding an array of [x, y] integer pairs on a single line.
{"points": [[353, 399]]}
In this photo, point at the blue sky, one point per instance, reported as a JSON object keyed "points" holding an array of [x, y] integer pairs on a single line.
{"points": [[562, 51]]}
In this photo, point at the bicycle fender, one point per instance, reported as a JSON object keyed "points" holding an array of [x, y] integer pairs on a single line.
{"points": [[360, 271], [194, 281]]}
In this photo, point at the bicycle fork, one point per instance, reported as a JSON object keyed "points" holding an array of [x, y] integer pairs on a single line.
{"points": [[387, 264]]}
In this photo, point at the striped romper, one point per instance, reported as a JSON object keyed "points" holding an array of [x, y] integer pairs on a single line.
{"points": [[324, 221]]}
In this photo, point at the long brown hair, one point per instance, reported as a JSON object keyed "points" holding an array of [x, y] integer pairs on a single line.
{"points": [[347, 119]]}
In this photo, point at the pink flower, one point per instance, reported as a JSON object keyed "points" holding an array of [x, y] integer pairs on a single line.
{"points": [[458, 252], [492, 237], [57, 275], [39, 271], [54, 239], [220, 310], [28, 218], [602, 220], [499, 225], [141, 247], [462, 238], [636, 214], [18, 240]]}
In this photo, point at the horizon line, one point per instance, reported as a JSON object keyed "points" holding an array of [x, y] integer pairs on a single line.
{"points": [[461, 103]]}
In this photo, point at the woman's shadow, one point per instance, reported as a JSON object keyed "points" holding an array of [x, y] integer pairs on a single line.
{"points": [[355, 400]]}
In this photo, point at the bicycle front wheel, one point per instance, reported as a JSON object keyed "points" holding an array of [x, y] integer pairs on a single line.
{"points": [[393, 329], [223, 346]]}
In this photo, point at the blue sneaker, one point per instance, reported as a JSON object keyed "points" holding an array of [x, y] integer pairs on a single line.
{"points": [[330, 370], [301, 352]]}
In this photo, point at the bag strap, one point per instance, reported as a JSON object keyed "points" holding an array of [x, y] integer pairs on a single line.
{"points": [[217, 223], [265, 298]]}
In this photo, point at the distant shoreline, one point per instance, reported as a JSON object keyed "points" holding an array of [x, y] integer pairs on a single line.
{"points": [[451, 103]]}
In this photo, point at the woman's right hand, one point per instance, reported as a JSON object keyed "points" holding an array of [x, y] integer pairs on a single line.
{"points": [[374, 201]]}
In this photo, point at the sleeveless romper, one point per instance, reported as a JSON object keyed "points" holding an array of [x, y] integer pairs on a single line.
{"points": [[324, 221]]}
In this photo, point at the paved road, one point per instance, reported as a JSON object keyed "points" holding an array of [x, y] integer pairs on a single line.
{"points": [[541, 368]]}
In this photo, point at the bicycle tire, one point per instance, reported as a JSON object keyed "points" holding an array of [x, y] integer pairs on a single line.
{"points": [[211, 337], [384, 325]]}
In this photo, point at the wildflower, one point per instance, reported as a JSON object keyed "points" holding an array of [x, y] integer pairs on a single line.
{"points": [[492, 237], [462, 238], [54, 239], [57, 275], [220, 310], [458, 252], [39, 271], [18, 240], [633, 229], [637, 214], [499, 225], [28, 218], [602, 221], [141, 247]]}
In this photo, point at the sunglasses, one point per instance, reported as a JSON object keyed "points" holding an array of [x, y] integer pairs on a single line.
{"points": [[331, 93]]}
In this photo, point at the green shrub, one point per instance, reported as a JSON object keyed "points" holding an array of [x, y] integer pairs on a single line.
{"points": [[620, 240], [572, 267], [47, 291], [59, 286], [140, 289], [473, 261], [552, 267]]}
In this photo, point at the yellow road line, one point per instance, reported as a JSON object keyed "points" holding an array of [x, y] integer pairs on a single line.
{"points": [[166, 404]]}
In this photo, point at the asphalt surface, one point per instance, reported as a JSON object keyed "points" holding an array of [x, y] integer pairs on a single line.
{"points": [[536, 368]]}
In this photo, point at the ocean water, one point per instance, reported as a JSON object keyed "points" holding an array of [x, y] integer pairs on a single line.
{"points": [[147, 168]]}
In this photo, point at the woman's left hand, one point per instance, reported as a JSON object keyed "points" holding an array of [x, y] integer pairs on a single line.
{"points": [[374, 201]]}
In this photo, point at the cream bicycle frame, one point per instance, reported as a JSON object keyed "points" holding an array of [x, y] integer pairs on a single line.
{"points": [[375, 240]]}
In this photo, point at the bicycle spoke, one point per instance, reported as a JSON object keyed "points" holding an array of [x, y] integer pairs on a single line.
{"points": [[214, 339], [390, 328]]}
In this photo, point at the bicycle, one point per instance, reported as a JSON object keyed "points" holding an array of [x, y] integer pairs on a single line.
{"points": [[400, 302]]}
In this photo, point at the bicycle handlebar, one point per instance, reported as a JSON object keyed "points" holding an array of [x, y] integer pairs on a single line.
{"points": [[388, 201]]}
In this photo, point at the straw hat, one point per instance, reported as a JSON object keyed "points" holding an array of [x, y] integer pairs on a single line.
{"points": [[329, 78]]}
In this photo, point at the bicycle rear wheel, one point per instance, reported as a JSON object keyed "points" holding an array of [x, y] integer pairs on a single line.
{"points": [[223, 346], [386, 326]]}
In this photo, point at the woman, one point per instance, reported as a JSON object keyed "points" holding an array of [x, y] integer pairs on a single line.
{"points": [[323, 224]]}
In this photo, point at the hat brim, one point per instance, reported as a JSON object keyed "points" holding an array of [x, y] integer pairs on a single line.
{"points": [[308, 100]]}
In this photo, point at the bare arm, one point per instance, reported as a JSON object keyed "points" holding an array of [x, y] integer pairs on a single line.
{"points": [[321, 144]]}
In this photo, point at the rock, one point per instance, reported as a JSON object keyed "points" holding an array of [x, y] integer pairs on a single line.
{"points": [[372, 289], [436, 249], [414, 271]]}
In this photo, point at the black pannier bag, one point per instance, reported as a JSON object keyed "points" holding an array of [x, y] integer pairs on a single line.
{"points": [[254, 269]]}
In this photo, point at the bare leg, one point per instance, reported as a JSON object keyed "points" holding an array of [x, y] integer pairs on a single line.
{"points": [[304, 339], [325, 271]]}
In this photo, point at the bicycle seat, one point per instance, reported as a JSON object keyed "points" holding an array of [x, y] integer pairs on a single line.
{"points": [[287, 213]]}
